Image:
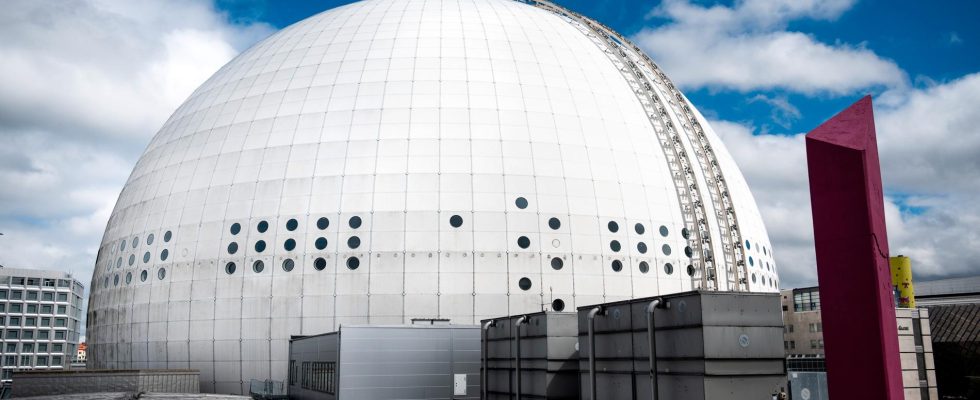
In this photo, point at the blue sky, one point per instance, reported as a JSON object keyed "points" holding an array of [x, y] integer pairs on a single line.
{"points": [[762, 71]]}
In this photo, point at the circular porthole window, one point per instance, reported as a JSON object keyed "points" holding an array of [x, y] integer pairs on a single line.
{"points": [[122, 245], [613, 226], [666, 249], [557, 263], [235, 228], [119, 262], [149, 239], [167, 236], [115, 280], [751, 262], [322, 223], [523, 242], [354, 242], [164, 254], [230, 268], [106, 283], [354, 222], [639, 228], [129, 278], [521, 203], [260, 246], [262, 226], [753, 278], [353, 263], [688, 251], [258, 266], [617, 265], [143, 276], [320, 243], [558, 305], [748, 246], [644, 267], [456, 221], [136, 241], [132, 259], [289, 245], [146, 257], [288, 264], [554, 223], [319, 264], [232, 248], [669, 269], [690, 270], [292, 224], [664, 231], [686, 233], [615, 246], [524, 283], [161, 273], [641, 247]]}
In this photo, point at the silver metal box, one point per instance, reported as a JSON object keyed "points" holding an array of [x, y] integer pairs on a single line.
{"points": [[709, 345], [387, 362], [548, 361]]}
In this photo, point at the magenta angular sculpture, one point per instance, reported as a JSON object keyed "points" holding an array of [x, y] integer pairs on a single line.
{"points": [[860, 332]]}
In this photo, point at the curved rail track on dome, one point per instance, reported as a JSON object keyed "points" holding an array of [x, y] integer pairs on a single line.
{"points": [[639, 70]]}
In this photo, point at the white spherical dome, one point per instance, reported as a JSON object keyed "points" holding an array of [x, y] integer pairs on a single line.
{"points": [[391, 160]]}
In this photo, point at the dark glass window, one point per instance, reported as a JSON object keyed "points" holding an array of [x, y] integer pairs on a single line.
{"points": [[664, 231], [161, 273], [354, 222], [129, 277], [354, 242], [136, 241], [666, 249], [456, 221], [554, 223], [119, 262], [122, 245], [641, 247], [289, 245], [615, 246], [751, 262], [132, 259], [690, 270], [164, 254], [167, 236], [639, 228], [230, 268], [753, 278], [644, 267], [322, 223], [263, 226], [686, 233], [748, 246], [320, 243], [320, 264], [523, 242], [115, 280], [288, 264], [617, 265], [613, 226], [558, 305], [149, 239], [669, 269], [688, 251], [232, 248], [292, 224], [557, 263], [235, 228], [143, 276], [521, 203], [146, 257], [353, 263], [260, 246], [258, 266], [524, 283]]}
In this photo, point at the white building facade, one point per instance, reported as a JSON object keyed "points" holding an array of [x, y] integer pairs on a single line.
{"points": [[390, 160], [40, 314]]}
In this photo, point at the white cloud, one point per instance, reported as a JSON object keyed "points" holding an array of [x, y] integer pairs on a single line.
{"points": [[83, 87], [745, 47], [929, 142]]}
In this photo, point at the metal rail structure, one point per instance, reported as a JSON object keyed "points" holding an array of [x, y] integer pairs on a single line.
{"points": [[655, 90]]}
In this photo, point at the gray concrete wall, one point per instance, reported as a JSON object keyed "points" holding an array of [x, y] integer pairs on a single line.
{"points": [[27, 384]]}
